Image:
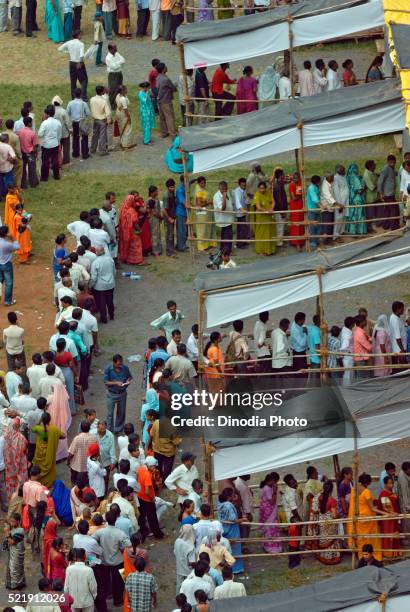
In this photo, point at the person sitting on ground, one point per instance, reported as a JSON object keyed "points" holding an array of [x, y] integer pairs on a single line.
{"points": [[367, 557]]}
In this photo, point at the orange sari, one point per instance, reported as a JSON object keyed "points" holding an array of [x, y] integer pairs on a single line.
{"points": [[12, 199], [22, 237], [130, 245], [388, 501], [129, 568]]}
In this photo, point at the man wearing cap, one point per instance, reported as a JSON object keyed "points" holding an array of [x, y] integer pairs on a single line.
{"points": [[146, 498], [62, 116], [180, 479]]}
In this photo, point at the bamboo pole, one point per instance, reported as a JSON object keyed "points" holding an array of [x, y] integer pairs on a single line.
{"points": [[207, 459], [323, 329], [359, 519], [356, 497], [191, 239], [303, 179], [184, 76]]}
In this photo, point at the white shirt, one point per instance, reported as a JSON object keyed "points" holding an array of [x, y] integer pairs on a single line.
{"points": [[172, 348], [281, 351], [23, 403], [240, 199], [190, 585], [115, 62], [96, 475], [259, 336], [202, 529], [346, 340], [58, 373], [285, 88], [245, 494], [333, 80], [397, 332], [181, 477], [47, 383], [196, 498], [80, 583], [404, 181], [2, 465], [69, 342], [230, 589], [99, 238], [306, 86], [35, 373], [50, 133], [327, 199], [13, 381], [135, 462], [79, 228], [91, 325], [74, 48], [319, 81], [192, 347], [130, 478], [223, 219]]}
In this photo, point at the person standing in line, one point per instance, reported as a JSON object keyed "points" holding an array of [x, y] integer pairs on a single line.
{"points": [[202, 91], [299, 342], [99, 36], [117, 378], [332, 76], [260, 336], [78, 111], [61, 115], [114, 62], [285, 86], [143, 13], [306, 85], [327, 205], [386, 189], [7, 161], [319, 77], [78, 72], [181, 216], [14, 142], [155, 13], [103, 283], [169, 214], [177, 17], [31, 18], [362, 347], [146, 498], [166, 89], [78, 9], [29, 146], [282, 358], [166, 19], [223, 99], [108, 215], [101, 114], [77, 453], [241, 205], [280, 203], [346, 346], [109, 8], [223, 202], [7, 248], [67, 7], [50, 136], [80, 582], [184, 104], [13, 339], [341, 193], [398, 334]]}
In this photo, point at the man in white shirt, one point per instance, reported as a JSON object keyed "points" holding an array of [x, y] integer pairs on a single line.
{"points": [[224, 219], [281, 352], [14, 379], [398, 334], [285, 86], [289, 501], [197, 582], [346, 346], [63, 329], [241, 203], [80, 583], [50, 135], [205, 524], [332, 76], [327, 205], [125, 473], [404, 178], [180, 479], [48, 357], [319, 77], [89, 322], [306, 86], [172, 345], [98, 236], [341, 194], [23, 402], [195, 495], [260, 334], [114, 62], [229, 588], [78, 72], [108, 216], [81, 227], [192, 346], [49, 381]]}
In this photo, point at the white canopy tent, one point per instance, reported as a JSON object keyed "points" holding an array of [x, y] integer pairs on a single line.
{"points": [[346, 114], [311, 21]]}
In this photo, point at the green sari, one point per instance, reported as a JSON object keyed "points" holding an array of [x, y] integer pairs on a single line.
{"points": [[46, 451], [225, 4], [356, 218], [262, 224]]}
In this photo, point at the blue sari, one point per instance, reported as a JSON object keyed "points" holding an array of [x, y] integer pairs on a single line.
{"points": [[147, 115], [227, 512], [54, 20], [152, 403], [173, 158], [61, 498]]}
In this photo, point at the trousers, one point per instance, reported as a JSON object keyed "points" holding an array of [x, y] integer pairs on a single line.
{"points": [[148, 514], [119, 401], [78, 74], [6, 279], [169, 237], [29, 177], [181, 233], [142, 21], [49, 157], [99, 137], [79, 141], [155, 19], [223, 104], [167, 119], [105, 303]]}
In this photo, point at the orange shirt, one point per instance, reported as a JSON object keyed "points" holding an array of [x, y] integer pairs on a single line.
{"points": [[215, 356], [145, 480], [361, 344]]}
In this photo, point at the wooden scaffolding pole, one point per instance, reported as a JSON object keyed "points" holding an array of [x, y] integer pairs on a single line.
{"points": [[191, 241], [356, 496], [303, 179], [207, 459], [323, 329], [290, 65]]}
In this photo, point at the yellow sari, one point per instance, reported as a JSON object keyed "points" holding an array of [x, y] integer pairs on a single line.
{"points": [[262, 223], [204, 229], [364, 527], [46, 451]]}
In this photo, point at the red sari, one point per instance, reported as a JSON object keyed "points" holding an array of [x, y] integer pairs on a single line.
{"points": [[388, 501], [144, 226], [130, 243], [296, 213], [50, 534]]}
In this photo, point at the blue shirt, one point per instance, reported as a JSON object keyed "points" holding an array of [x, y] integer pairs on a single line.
{"points": [[59, 253], [158, 354], [180, 201], [216, 576], [107, 448], [111, 374], [77, 109], [313, 197], [125, 525], [298, 338], [314, 339], [6, 250]]}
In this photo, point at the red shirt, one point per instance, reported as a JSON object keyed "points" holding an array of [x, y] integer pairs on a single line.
{"points": [[28, 139], [63, 359], [218, 80], [293, 532], [152, 77]]}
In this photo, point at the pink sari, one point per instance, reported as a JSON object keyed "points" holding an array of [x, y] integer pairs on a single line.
{"points": [[15, 460], [246, 90], [59, 409], [268, 513]]}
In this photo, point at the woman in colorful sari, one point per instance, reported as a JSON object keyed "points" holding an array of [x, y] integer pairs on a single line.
{"points": [[247, 90], [296, 211], [268, 84], [173, 158], [263, 225], [214, 368], [48, 438], [268, 512], [15, 458], [13, 198], [147, 113], [69, 368], [151, 403], [15, 576], [203, 216], [61, 497], [123, 117], [54, 21], [59, 410], [228, 512], [22, 231], [389, 503], [311, 491], [356, 217], [225, 14], [123, 16], [206, 12], [328, 531], [130, 246], [366, 509], [143, 222], [382, 344]]}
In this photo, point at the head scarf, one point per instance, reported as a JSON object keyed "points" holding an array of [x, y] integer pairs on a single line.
{"points": [[150, 461], [338, 167], [50, 534], [152, 400], [187, 534], [128, 217], [59, 408], [14, 441], [382, 324], [93, 450], [61, 498], [58, 100], [268, 84], [353, 170], [211, 539]]}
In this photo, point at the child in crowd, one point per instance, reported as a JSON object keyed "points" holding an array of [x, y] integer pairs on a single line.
{"points": [[227, 261], [23, 233], [152, 80]]}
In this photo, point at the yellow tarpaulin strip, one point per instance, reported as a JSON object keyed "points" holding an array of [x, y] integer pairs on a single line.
{"points": [[398, 12]]}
